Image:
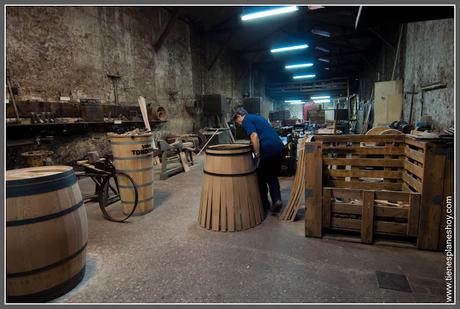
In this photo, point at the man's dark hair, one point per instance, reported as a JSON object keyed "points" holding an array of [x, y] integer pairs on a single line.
{"points": [[239, 111]]}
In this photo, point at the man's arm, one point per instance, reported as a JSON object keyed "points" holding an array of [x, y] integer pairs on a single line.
{"points": [[255, 143]]}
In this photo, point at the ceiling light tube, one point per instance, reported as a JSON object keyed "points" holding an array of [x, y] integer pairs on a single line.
{"points": [[288, 48], [271, 12], [322, 101], [323, 60], [320, 97], [321, 33], [295, 103], [322, 49], [303, 76], [292, 101], [300, 65]]}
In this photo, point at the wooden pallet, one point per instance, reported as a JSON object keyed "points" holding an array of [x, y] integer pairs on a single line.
{"points": [[378, 185]]}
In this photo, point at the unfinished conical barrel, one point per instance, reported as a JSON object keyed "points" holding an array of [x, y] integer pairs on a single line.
{"points": [[133, 155], [230, 198], [46, 233]]}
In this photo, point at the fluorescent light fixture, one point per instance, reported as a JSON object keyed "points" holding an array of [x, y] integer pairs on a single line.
{"points": [[287, 48], [323, 60], [326, 69], [300, 65], [325, 50], [300, 102], [292, 101], [315, 7], [320, 97], [304, 76], [322, 101], [270, 12], [321, 33]]}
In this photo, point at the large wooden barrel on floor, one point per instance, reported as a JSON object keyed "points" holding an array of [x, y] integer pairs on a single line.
{"points": [[133, 155], [46, 233], [230, 198]]}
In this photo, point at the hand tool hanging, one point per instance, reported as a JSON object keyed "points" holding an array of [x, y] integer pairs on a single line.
{"points": [[115, 78], [10, 90]]}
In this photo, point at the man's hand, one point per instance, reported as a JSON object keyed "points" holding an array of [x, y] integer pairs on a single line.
{"points": [[256, 161]]}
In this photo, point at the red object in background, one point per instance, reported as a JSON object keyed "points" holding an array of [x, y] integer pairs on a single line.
{"points": [[306, 108]]}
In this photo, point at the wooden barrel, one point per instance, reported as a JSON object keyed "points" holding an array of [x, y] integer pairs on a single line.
{"points": [[133, 155], [36, 157], [230, 198], [376, 130], [46, 233]]}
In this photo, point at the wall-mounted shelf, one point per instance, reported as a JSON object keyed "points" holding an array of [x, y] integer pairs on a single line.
{"points": [[31, 130], [82, 123]]}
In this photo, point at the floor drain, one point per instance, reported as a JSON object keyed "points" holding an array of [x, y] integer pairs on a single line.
{"points": [[392, 281]]}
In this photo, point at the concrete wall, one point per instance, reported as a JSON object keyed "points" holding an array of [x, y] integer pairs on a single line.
{"points": [[68, 51], [429, 58], [426, 56]]}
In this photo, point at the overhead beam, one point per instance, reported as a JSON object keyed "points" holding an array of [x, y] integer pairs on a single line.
{"points": [[378, 35], [166, 30], [221, 50], [217, 26]]}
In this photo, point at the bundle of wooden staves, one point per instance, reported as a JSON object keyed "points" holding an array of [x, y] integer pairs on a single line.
{"points": [[295, 199]]}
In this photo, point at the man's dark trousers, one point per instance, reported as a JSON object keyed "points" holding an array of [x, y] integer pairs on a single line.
{"points": [[267, 175]]}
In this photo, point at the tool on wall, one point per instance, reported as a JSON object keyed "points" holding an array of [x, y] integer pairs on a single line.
{"points": [[10, 90], [429, 87], [412, 93], [115, 78]]}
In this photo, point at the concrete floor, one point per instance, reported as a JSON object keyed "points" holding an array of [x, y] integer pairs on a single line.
{"points": [[166, 257]]}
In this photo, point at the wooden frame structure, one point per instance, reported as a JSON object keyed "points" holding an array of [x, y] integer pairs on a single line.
{"points": [[391, 185]]}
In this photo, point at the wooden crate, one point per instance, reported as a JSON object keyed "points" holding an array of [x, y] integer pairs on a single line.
{"points": [[378, 185], [368, 212]]}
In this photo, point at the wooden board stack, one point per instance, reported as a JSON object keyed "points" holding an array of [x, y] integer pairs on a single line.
{"points": [[295, 199]]}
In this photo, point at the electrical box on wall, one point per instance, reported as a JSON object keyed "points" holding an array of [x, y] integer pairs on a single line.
{"points": [[253, 105], [388, 100], [214, 104]]}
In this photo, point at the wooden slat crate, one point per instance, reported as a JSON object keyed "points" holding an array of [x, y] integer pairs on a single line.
{"points": [[378, 185]]}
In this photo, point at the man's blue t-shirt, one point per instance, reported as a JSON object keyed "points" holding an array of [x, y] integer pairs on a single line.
{"points": [[270, 142]]}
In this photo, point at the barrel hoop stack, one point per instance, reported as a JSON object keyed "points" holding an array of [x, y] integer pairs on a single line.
{"points": [[133, 155], [46, 233], [230, 198]]}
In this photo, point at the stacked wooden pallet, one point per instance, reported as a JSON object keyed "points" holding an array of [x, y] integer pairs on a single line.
{"points": [[295, 199]]}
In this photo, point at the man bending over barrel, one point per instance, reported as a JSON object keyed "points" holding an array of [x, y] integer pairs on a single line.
{"points": [[268, 150]]}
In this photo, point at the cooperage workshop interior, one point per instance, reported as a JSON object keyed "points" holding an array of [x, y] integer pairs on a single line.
{"points": [[229, 153]]}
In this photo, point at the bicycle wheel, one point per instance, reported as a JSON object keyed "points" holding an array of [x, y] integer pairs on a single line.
{"points": [[109, 196]]}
